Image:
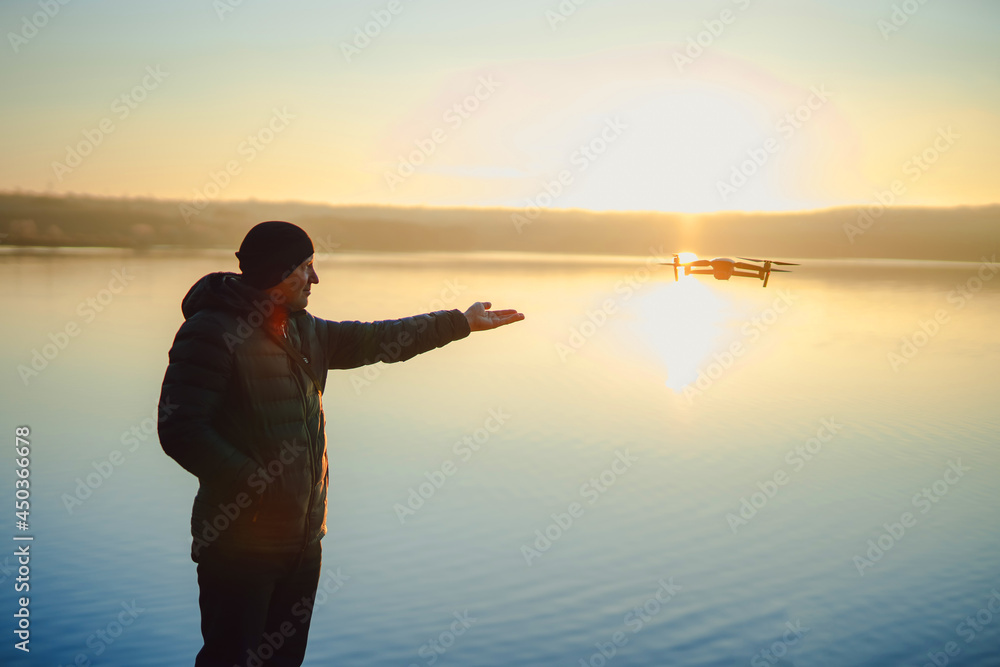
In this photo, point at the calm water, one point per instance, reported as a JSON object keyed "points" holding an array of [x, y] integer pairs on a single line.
{"points": [[718, 456]]}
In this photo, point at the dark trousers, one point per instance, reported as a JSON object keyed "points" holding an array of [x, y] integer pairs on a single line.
{"points": [[256, 608]]}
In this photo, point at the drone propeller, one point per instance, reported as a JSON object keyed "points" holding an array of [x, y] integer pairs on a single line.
{"points": [[697, 262], [782, 270], [750, 259], [675, 264], [748, 267]]}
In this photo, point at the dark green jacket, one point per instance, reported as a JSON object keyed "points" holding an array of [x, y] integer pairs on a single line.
{"points": [[241, 414]]}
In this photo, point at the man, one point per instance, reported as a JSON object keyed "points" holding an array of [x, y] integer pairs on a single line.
{"points": [[245, 384]]}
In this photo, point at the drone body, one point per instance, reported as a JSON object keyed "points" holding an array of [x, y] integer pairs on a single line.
{"points": [[724, 268]]}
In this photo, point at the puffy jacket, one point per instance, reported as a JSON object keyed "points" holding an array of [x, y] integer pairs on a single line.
{"points": [[245, 417]]}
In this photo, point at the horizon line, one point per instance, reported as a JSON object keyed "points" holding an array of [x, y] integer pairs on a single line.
{"points": [[454, 207]]}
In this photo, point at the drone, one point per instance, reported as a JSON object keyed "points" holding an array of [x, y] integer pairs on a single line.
{"points": [[724, 268]]}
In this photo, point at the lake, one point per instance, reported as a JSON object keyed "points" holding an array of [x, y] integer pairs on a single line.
{"points": [[642, 472]]}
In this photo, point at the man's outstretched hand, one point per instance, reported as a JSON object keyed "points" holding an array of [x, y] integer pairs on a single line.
{"points": [[481, 318]]}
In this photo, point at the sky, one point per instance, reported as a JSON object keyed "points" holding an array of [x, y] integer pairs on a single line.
{"points": [[689, 106]]}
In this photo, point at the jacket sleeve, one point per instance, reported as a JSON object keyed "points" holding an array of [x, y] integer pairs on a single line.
{"points": [[193, 387], [354, 344]]}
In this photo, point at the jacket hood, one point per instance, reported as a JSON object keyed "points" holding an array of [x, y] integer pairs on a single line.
{"points": [[222, 290]]}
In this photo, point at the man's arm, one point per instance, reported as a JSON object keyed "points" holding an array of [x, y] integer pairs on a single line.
{"points": [[193, 387], [354, 344]]}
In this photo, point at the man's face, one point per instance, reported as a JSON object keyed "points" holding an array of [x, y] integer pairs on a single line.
{"points": [[297, 287]]}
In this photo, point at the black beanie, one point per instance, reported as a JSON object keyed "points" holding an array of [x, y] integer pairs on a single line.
{"points": [[271, 251]]}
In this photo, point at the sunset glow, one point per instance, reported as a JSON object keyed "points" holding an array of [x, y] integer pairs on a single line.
{"points": [[641, 106]]}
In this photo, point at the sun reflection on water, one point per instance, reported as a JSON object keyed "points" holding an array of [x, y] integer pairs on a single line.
{"points": [[681, 324]]}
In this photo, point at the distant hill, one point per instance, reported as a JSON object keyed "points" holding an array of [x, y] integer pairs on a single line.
{"points": [[964, 233]]}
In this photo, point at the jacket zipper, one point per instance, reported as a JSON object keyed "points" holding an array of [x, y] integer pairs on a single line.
{"points": [[312, 445]]}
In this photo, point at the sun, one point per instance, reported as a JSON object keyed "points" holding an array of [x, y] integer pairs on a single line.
{"points": [[681, 139]]}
